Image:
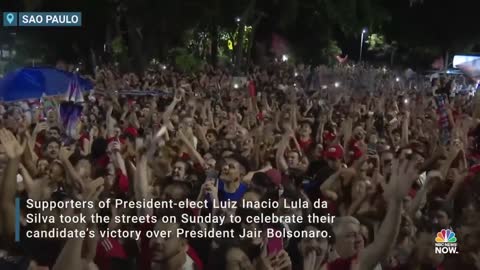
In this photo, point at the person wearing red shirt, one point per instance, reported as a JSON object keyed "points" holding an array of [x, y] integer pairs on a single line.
{"points": [[304, 137]]}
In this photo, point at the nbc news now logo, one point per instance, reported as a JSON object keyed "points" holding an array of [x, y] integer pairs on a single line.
{"points": [[446, 242]]}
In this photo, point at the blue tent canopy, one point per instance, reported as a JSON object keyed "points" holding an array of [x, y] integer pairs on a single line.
{"points": [[28, 83]]}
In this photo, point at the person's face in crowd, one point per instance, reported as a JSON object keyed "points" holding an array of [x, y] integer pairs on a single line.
{"points": [[116, 132], [318, 151], [396, 138], [247, 144], [222, 115], [52, 117], [349, 241], [334, 163], [56, 172], [237, 260], [387, 159], [164, 249], [154, 117], [470, 214], [211, 138], [13, 119], [93, 119], [305, 130], [373, 139], [83, 168], [251, 196], [318, 245], [188, 123], [95, 110], [53, 149], [175, 119], [293, 159], [179, 171], [407, 229], [210, 164], [440, 219], [42, 166], [53, 134], [359, 133], [173, 192], [230, 171]]}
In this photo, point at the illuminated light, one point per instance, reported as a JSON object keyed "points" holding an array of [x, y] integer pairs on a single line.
{"points": [[237, 19], [397, 79], [235, 86], [284, 58], [324, 87], [296, 74], [337, 84], [406, 101], [164, 67]]}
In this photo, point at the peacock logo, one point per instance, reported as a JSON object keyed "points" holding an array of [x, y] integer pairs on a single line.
{"points": [[446, 236]]}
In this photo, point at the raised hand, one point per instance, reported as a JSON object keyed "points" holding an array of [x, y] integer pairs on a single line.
{"points": [[65, 153], [404, 173], [281, 261], [13, 149]]}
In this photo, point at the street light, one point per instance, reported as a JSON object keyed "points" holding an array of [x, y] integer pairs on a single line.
{"points": [[285, 58], [237, 19], [364, 31]]}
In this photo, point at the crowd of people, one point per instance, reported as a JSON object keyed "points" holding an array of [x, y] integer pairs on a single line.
{"points": [[395, 158]]}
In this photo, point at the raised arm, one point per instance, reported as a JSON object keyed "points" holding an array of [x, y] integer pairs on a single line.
{"points": [[404, 174], [71, 256], [422, 193], [169, 110], [191, 149], [72, 174], [13, 151], [280, 156], [405, 125], [110, 123], [33, 190], [141, 186]]}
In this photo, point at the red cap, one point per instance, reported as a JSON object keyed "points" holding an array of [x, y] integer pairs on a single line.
{"points": [[132, 131], [275, 176], [334, 152]]}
